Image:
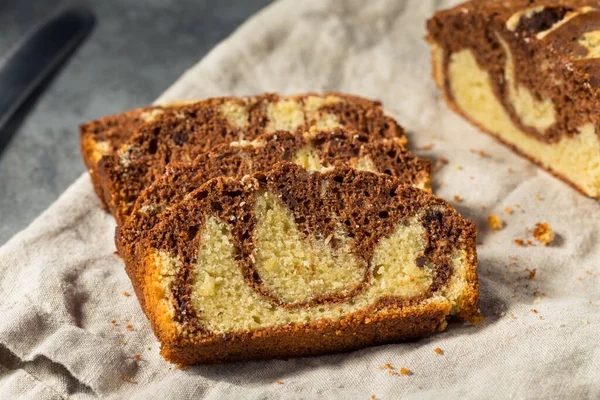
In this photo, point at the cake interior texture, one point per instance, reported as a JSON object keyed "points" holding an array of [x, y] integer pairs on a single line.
{"points": [[275, 260], [314, 150], [527, 73]]}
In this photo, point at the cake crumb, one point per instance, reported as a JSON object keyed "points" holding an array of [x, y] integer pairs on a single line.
{"points": [[532, 274], [495, 222], [443, 160], [508, 210], [519, 242], [457, 198], [267, 380], [373, 397], [405, 371], [439, 351], [129, 326], [114, 321], [458, 166], [279, 382], [138, 356], [543, 233], [126, 294], [539, 197]]}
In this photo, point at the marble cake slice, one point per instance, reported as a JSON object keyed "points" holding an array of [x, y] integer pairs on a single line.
{"points": [[103, 136], [294, 262], [314, 150], [528, 73], [182, 133]]}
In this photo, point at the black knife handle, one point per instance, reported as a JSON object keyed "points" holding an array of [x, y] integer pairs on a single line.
{"points": [[38, 54]]}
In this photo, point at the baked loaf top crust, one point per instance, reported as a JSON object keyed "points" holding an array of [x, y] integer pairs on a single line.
{"points": [[315, 150], [261, 266], [182, 133]]}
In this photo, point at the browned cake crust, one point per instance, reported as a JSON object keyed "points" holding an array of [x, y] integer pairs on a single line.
{"points": [[368, 206], [102, 136], [324, 149], [541, 58], [182, 133]]}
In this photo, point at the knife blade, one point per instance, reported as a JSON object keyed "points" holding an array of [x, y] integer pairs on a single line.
{"points": [[38, 55]]}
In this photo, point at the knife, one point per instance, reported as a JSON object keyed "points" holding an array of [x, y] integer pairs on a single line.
{"points": [[35, 57]]}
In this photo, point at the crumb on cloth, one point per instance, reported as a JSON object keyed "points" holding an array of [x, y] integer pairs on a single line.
{"points": [[495, 222], [543, 233]]}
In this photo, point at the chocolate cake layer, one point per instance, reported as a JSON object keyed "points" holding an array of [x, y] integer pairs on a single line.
{"points": [[527, 72], [314, 150], [258, 267], [182, 133]]}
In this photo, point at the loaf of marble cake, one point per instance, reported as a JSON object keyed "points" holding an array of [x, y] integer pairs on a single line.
{"points": [[528, 73]]}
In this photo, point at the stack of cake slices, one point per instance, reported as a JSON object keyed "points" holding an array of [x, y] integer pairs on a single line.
{"points": [[271, 226]]}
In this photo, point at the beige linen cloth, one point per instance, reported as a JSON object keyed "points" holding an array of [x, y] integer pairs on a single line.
{"points": [[62, 286]]}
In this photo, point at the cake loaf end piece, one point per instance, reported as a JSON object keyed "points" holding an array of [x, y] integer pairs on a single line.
{"points": [[527, 72]]}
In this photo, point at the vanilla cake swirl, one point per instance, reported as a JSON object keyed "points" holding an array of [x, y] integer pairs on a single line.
{"points": [[314, 150]]}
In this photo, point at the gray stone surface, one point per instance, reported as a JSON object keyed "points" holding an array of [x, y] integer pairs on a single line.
{"points": [[136, 50]]}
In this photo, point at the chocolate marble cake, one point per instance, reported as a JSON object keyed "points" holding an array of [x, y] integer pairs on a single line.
{"points": [[294, 262], [528, 73], [180, 134]]}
